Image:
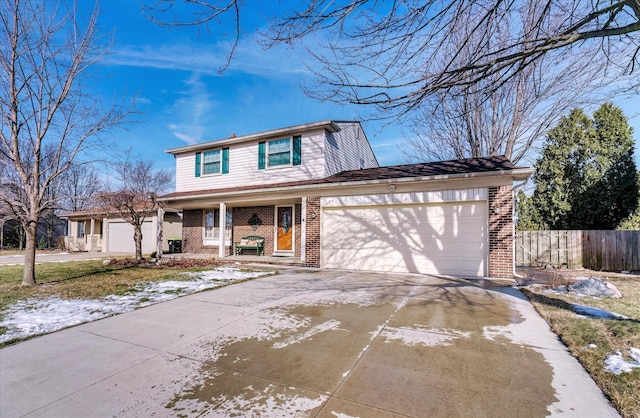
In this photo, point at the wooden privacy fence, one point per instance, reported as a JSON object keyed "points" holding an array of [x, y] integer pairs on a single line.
{"points": [[596, 250]]}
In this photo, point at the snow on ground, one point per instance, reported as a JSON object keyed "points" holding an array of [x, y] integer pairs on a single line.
{"points": [[30, 317], [617, 364], [598, 313]]}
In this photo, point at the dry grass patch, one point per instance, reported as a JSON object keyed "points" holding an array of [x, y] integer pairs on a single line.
{"points": [[608, 336], [88, 279]]}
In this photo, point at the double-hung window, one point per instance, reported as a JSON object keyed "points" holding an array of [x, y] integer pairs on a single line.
{"points": [[212, 225], [212, 162], [280, 152]]}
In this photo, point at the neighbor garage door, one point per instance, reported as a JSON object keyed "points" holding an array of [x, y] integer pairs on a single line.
{"points": [[444, 238], [121, 238]]}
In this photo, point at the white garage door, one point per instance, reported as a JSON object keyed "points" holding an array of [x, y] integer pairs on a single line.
{"points": [[121, 238], [448, 238]]}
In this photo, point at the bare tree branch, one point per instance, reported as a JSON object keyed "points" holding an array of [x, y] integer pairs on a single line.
{"points": [[136, 197], [387, 55], [48, 119]]}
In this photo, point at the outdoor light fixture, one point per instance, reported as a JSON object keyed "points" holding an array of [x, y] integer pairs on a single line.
{"points": [[392, 187]]}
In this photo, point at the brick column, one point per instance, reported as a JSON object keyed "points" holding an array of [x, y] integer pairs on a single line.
{"points": [[500, 232], [312, 247], [192, 231]]}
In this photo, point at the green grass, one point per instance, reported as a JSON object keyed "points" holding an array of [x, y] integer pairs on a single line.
{"points": [[608, 335]]}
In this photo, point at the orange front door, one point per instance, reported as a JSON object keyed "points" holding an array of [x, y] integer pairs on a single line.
{"points": [[284, 235]]}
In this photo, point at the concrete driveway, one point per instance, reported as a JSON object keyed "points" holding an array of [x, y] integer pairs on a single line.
{"points": [[308, 343]]}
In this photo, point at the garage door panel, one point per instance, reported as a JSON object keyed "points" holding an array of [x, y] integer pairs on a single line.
{"points": [[444, 239], [121, 238]]}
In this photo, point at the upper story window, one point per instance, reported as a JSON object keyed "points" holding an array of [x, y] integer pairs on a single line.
{"points": [[212, 162], [280, 152]]}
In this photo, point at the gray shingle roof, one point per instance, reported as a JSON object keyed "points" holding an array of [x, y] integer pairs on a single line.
{"points": [[439, 168]]}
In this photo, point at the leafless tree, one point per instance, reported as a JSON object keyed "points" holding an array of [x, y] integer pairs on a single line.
{"points": [[135, 199], [48, 116], [508, 119], [79, 186], [388, 54]]}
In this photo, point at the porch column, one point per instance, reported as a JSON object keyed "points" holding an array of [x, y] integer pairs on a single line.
{"points": [[89, 238], [222, 230], [160, 224]]}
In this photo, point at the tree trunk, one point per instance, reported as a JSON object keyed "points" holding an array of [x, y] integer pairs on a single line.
{"points": [[137, 236], [29, 272], [159, 232]]}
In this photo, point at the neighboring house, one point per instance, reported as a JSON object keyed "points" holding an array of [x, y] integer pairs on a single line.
{"points": [[316, 194], [104, 230]]}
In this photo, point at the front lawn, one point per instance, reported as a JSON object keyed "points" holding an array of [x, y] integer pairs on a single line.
{"points": [[81, 291], [593, 340]]}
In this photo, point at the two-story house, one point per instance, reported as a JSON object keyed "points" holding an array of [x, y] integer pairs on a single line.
{"points": [[316, 194]]}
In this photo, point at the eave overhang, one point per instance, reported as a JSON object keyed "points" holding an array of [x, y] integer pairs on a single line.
{"points": [[322, 187], [327, 125]]}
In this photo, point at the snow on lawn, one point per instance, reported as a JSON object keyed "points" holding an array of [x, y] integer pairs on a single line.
{"points": [[30, 317], [617, 364], [592, 312]]}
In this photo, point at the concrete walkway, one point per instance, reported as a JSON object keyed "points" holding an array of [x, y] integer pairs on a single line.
{"points": [[58, 257], [308, 343]]}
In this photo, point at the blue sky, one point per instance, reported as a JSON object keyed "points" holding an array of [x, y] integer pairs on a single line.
{"points": [[184, 100]]}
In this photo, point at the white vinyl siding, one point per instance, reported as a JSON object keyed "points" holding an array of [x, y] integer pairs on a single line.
{"points": [[348, 149], [243, 166]]}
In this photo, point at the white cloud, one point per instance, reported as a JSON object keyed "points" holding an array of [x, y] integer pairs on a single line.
{"points": [[249, 58], [191, 108]]}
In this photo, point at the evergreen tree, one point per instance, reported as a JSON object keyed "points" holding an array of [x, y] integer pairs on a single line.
{"points": [[586, 177], [528, 218]]}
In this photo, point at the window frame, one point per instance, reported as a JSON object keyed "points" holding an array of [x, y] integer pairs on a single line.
{"points": [[211, 234], [266, 152], [269, 153], [204, 163], [222, 161]]}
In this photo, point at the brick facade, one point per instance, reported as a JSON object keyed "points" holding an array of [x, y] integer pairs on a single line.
{"points": [[192, 231], [241, 227], [312, 248], [500, 232], [193, 228]]}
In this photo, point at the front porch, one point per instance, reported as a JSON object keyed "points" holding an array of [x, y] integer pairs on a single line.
{"points": [[90, 242], [242, 259]]}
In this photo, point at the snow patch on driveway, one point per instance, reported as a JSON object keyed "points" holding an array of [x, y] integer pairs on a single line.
{"points": [[308, 334], [427, 337]]}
